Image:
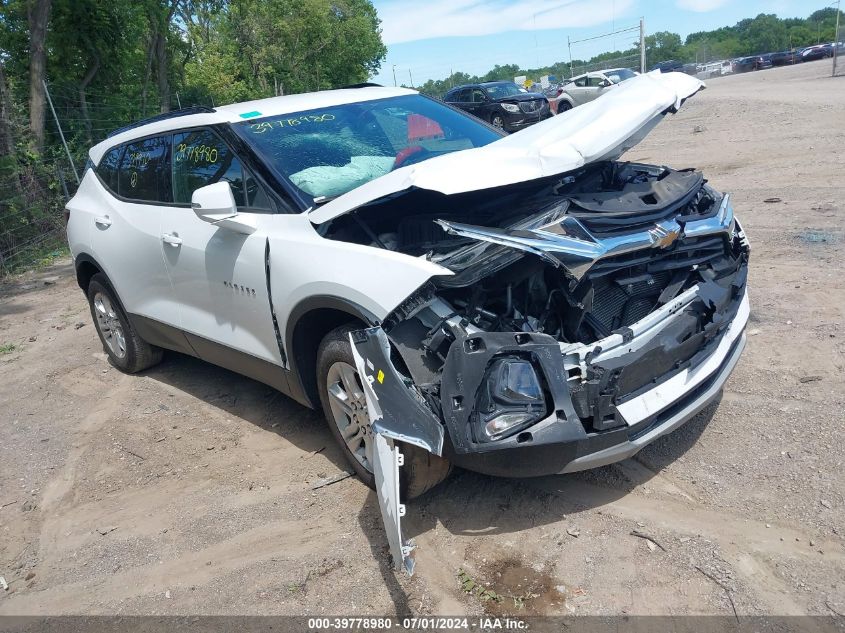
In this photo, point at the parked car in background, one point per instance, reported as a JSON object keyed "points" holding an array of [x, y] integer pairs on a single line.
{"points": [[812, 53], [754, 62], [503, 104], [716, 69], [670, 66], [784, 58], [583, 88]]}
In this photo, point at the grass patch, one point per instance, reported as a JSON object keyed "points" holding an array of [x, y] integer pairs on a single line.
{"points": [[7, 348]]}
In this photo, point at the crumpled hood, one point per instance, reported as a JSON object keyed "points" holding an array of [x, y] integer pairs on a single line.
{"points": [[602, 129]]}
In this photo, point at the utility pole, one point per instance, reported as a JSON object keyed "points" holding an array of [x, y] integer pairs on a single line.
{"points": [[836, 38], [394, 75], [569, 46], [642, 45], [411, 77], [61, 134]]}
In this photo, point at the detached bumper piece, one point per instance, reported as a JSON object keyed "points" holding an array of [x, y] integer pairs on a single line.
{"points": [[397, 413]]}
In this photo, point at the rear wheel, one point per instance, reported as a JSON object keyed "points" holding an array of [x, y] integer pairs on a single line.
{"points": [[345, 408], [126, 350]]}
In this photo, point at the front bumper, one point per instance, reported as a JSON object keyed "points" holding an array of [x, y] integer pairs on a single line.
{"points": [[566, 440], [519, 120], [648, 416]]}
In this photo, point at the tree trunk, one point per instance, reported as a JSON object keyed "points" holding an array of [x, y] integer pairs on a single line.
{"points": [[38, 15], [161, 71], [83, 102], [147, 71], [7, 139]]}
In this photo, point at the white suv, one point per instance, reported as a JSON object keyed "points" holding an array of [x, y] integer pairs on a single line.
{"points": [[516, 305]]}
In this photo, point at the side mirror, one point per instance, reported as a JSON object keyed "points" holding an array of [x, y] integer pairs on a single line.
{"points": [[605, 83], [216, 205]]}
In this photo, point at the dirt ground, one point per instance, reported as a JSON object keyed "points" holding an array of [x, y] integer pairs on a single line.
{"points": [[187, 489]]}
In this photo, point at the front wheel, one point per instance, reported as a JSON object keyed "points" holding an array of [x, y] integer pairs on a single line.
{"points": [[498, 121], [563, 106], [345, 408]]}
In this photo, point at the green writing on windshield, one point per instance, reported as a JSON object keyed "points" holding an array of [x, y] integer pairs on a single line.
{"points": [[266, 126]]}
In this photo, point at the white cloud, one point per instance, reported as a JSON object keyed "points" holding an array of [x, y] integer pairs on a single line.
{"points": [[701, 6], [411, 21]]}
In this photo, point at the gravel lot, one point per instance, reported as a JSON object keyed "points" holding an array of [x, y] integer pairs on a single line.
{"points": [[187, 489]]}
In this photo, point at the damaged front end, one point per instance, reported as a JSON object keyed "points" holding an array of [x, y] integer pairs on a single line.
{"points": [[567, 339]]}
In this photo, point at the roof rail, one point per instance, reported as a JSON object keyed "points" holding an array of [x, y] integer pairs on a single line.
{"points": [[162, 117], [362, 85]]}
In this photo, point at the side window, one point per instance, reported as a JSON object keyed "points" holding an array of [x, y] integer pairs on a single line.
{"points": [[201, 158], [594, 81], [478, 95], [462, 96], [581, 82], [145, 170], [107, 169]]}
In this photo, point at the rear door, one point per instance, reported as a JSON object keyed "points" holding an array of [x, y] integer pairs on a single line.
{"points": [[126, 232], [219, 275]]}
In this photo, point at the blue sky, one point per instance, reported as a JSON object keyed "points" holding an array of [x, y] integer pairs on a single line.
{"points": [[430, 37]]}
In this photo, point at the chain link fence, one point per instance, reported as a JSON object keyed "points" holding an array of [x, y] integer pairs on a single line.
{"points": [[839, 50], [32, 199]]}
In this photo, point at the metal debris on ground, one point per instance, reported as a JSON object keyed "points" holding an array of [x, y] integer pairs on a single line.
{"points": [[573, 531], [102, 531], [649, 538], [4, 584], [771, 200], [331, 480]]}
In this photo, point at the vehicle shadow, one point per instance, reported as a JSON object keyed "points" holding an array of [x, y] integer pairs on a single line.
{"points": [[470, 503], [274, 412]]}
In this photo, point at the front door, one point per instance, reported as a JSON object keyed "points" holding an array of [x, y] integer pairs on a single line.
{"points": [[219, 275]]}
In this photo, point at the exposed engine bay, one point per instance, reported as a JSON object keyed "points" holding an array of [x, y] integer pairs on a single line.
{"points": [[496, 287]]}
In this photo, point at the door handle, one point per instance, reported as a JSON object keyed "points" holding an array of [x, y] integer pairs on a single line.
{"points": [[103, 221], [173, 240]]}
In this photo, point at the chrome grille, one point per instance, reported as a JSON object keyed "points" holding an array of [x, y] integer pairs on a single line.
{"points": [[530, 106]]}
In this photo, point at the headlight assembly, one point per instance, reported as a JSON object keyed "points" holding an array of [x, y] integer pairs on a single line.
{"points": [[510, 107]]}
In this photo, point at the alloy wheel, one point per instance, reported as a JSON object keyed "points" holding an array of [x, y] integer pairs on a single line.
{"points": [[109, 325], [349, 412]]}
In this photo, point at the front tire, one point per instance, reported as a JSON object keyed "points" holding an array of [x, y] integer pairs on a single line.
{"points": [[126, 350], [345, 409], [498, 121], [563, 106]]}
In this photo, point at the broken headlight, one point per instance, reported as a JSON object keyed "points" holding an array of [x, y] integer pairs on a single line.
{"points": [[509, 107], [511, 399]]}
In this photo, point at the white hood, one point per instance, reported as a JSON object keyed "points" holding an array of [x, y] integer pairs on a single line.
{"points": [[602, 129]]}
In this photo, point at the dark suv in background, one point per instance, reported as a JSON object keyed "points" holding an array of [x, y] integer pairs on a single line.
{"points": [[503, 104]]}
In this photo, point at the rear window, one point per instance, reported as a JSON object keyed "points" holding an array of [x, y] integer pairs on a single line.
{"points": [[108, 168]]}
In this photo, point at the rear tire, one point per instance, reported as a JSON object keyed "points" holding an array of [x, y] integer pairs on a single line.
{"points": [[126, 350], [422, 470]]}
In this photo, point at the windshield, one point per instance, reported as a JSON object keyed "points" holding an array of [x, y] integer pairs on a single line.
{"points": [[502, 90], [619, 75], [330, 151]]}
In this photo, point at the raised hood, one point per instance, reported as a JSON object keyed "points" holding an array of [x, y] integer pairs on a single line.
{"points": [[602, 129]]}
